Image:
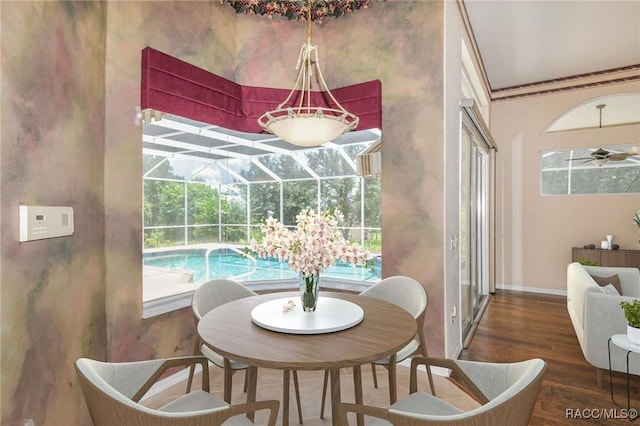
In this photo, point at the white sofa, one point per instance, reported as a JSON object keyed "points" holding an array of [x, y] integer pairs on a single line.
{"points": [[596, 316]]}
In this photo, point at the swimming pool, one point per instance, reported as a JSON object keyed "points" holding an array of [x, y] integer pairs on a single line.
{"points": [[207, 264]]}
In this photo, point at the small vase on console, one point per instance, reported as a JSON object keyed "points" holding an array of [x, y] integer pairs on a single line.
{"points": [[609, 239]]}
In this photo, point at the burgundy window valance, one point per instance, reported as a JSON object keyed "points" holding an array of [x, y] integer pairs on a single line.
{"points": [[177, 87]]}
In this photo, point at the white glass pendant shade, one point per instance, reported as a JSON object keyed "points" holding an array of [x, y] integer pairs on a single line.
{"points": [[304, 124], [307, 129]]}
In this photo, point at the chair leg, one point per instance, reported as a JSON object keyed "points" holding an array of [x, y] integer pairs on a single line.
{"points": [[296, 388], [431, 385], [285, 397], [393, 391], [425, 353], [228, 382], [391, 369], [324, 392], [375, 378], [357, 389], [192, 369]]}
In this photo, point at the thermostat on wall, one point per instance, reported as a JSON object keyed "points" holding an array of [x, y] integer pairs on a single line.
{"points": [[40, 222]]}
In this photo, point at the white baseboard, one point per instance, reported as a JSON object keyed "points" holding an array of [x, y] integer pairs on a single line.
{"points": [[531, 289]]}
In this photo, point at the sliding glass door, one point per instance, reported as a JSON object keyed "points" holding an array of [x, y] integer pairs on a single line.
{"points": [[474, 223]]}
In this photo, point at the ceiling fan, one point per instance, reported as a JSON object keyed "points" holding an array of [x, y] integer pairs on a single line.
{"points": [[602, 156]]}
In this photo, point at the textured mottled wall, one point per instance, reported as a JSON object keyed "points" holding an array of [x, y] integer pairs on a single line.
{"points": [[70, 85], [401, 44], [197, 32], [52, 137]]}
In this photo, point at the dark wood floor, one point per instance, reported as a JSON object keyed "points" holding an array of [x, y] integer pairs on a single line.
{"points": [[518, 326]]}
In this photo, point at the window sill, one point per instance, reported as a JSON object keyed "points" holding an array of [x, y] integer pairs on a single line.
{"points": [[165, 304]]}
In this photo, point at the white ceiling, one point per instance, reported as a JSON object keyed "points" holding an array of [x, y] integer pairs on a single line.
{"points": [[523, 42]]}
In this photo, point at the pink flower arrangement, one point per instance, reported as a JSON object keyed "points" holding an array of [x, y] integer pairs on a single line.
{"points": [[313, 246]]}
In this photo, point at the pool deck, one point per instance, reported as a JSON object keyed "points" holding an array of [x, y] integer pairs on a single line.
{"points": [[159, 282]]}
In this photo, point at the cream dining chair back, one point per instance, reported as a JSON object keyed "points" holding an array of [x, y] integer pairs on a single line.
{"points": [[410, 295], [208, 296], [506, 395], [112, 392]]}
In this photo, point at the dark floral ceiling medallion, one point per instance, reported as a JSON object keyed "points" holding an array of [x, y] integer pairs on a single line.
{"points": [[297, 10]]}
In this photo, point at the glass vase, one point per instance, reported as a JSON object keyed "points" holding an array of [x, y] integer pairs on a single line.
{"points": [[309, 292]]}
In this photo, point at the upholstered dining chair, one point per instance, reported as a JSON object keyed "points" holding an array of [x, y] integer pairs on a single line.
{"points": [[410, 295], [208, 296], [506, 392], [112, 392]]}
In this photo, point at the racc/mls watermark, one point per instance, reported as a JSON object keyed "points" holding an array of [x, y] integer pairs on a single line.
{"points": [[601, 413]]}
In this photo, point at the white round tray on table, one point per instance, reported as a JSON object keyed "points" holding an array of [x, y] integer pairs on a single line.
{"points": [[330, 315]]}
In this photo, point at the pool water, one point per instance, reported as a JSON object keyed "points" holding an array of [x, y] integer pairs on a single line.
{"points": [[227, 263]]}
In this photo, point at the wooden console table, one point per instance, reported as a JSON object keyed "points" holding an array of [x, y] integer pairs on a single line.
{"points": [[620, 257]]}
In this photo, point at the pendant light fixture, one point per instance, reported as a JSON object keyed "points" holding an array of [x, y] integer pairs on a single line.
{"points": [[301, 123]]}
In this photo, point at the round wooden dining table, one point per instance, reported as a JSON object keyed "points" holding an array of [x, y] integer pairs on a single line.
{"points": [[230, 331]]}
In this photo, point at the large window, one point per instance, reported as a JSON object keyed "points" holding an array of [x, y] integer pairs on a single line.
{"points": [[614, 170], [204, 199]]}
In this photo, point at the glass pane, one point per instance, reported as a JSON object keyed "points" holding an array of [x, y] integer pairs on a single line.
{"points": [[202, 204], [152, 162], [554, 159], [298, 195], [234, 205], [353, 150], [163, 237], [465, 229], [328, 162], [202, 234], [555, 182], [247, 170], [372, 202], [607, 170], [373, 240], [265, 201], [224, 173], [208, 173], [174, 168], [343, 193], [285, 166], [163, 203], [620, 180], [234, 234]]}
